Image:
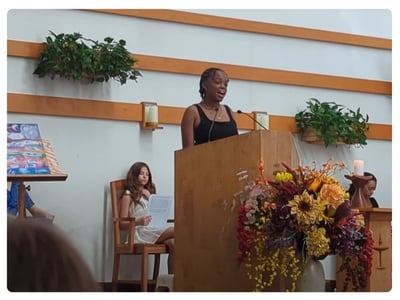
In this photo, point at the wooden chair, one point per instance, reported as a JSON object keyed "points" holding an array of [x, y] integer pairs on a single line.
{"points": [[132, 248]]}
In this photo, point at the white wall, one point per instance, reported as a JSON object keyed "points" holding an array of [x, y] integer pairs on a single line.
{"points": [[93, 152]]}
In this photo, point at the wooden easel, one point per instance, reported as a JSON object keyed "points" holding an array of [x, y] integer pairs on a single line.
{"points": [[55, 175], [22, 187]]}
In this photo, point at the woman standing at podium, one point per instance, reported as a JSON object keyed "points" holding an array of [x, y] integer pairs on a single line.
{"points": [[209, 120]]}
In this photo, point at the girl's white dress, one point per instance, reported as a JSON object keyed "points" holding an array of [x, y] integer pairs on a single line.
{"points": [[144, 234]]}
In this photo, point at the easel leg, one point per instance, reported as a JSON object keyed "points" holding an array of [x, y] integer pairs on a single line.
{"points": [[21, 201]]}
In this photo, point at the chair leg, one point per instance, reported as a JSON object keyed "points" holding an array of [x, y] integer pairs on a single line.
{"points": [[156, 269], [114, 282], [145, 263]]}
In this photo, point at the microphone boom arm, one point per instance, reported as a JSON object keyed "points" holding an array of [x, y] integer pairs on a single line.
{"points": [[251, 117]]}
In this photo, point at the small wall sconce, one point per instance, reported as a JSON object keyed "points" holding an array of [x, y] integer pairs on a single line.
{"points": [[150, 115], [262, 120]]}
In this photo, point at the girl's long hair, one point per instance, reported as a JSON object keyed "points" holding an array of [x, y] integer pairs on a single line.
{"points": [[132, 183]]}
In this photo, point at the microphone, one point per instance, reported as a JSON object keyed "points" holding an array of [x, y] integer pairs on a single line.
{"points": [[251, 117], [212, 124]]}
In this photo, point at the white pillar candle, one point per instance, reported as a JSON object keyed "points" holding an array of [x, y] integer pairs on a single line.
{"points": [[358, 167], [151, 112]]}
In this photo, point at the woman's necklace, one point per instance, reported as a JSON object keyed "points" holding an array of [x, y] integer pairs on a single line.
{"points": [[219, 113]]}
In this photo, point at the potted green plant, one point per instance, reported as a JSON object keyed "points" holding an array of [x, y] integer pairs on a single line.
{"points": [[332, 124], [73, 56]]}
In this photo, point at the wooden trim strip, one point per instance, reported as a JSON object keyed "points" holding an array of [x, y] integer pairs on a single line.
{"points": [[192, 67], [383, 131], [24, 49], [132, 112], [205, 20], [71, 107], [184, 66]]}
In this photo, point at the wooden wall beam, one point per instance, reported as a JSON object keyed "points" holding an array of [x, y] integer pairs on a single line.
{"points": [[132, 112], [71, 107], [191, 67]]}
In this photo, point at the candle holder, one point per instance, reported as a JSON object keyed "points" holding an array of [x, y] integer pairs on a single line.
{"points": [[150, 115], [262, 120], [358, 200]]}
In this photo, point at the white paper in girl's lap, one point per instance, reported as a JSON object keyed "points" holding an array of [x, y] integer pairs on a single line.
{"points": [[158, 208]]}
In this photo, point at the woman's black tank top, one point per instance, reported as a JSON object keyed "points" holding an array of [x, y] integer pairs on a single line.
{"points": [[208, 130]]}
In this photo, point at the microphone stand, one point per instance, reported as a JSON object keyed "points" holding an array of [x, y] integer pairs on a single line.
{"points": [[251, 117]]}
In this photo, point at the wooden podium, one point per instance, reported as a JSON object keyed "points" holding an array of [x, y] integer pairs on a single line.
{"points": [[379, 221], [205, 209]]}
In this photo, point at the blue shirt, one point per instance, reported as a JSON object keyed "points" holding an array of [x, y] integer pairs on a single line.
{"points": [[12, 199]]}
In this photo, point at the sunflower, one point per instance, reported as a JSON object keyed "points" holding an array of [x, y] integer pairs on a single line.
{"points": [[305, 209]]}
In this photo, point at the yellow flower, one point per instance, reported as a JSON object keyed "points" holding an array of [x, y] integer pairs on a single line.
{"points": [[305, 208], [283, 176], [326, 211], [317, 241]]}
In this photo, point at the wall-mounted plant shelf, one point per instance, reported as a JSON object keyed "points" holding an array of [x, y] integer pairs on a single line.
{"points": [[73, 56]]}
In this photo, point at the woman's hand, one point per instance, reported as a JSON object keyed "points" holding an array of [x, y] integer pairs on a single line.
{"points": [[144, 221], [146, 193]]}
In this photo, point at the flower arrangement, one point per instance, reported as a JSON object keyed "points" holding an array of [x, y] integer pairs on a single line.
{"points": [[302, 213]]}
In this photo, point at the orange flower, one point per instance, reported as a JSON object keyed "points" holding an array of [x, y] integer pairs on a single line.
{"points": [[332, 193], [360, 220], [315, 185], [269, 205]]}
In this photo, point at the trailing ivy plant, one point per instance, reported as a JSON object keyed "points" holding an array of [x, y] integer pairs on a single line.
{"points": [[333, 123], [76, 57]]}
